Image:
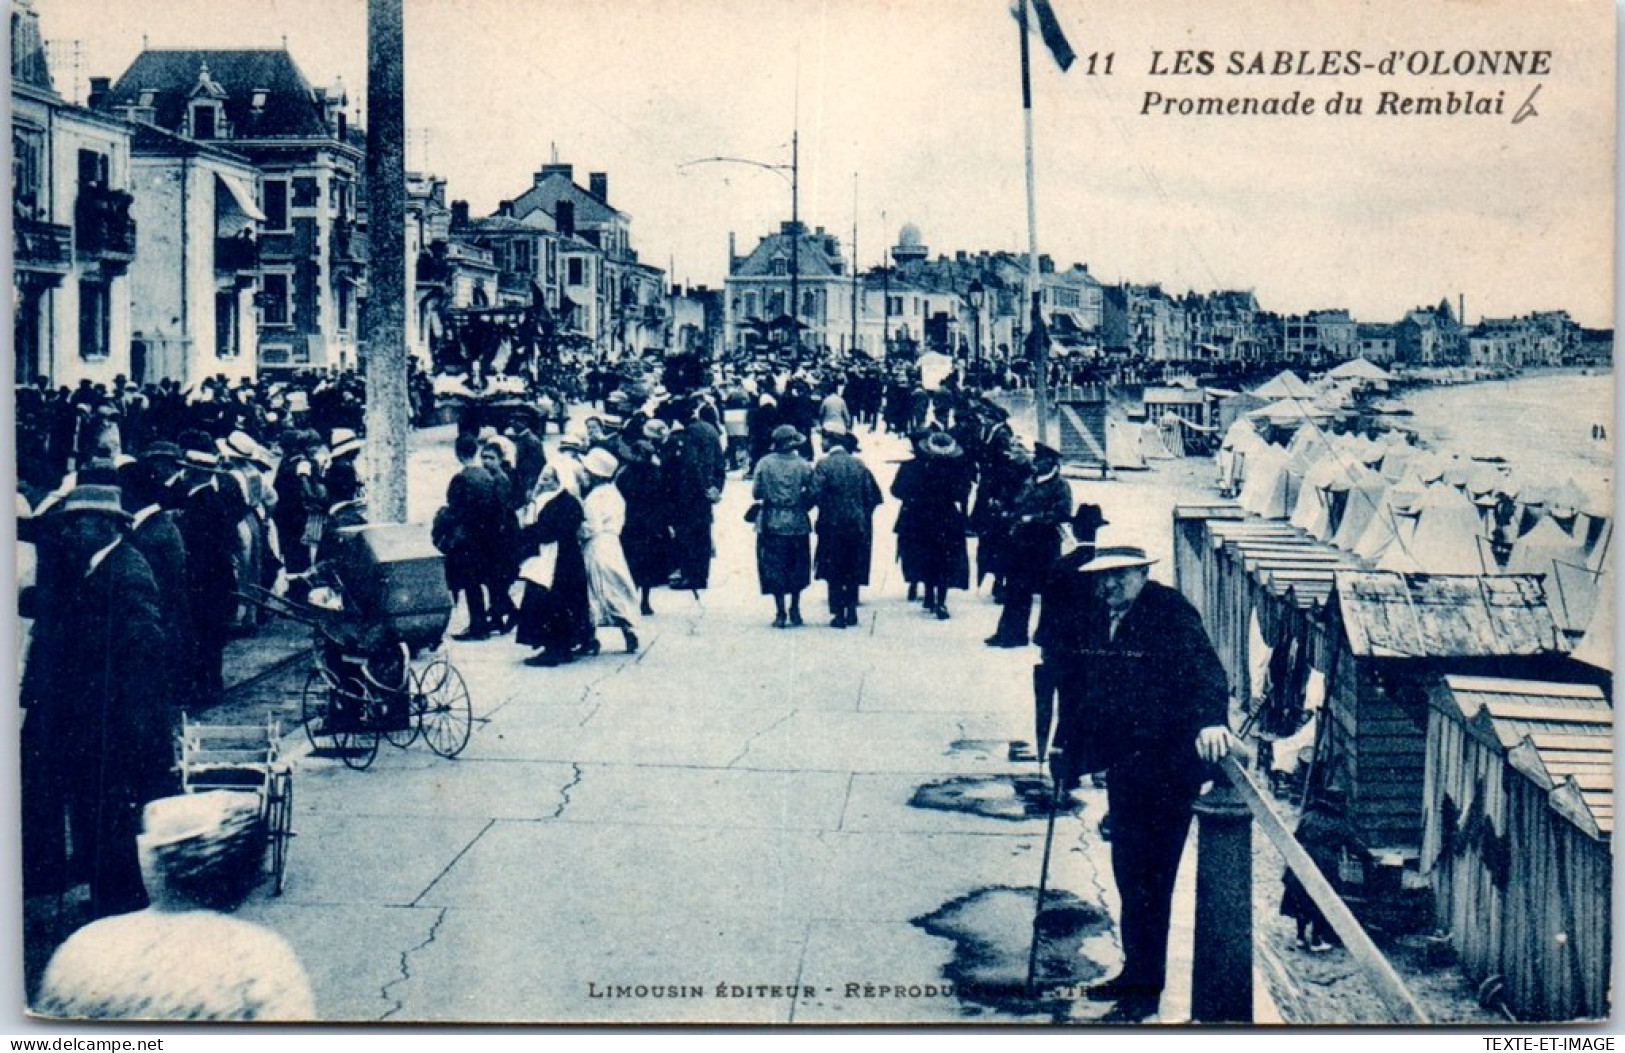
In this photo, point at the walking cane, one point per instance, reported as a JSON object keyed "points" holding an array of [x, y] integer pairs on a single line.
{"points": [[1043, 876], [1043, 709]]}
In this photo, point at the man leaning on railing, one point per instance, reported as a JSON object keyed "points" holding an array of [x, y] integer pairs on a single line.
{"points": [[1142, 696]]}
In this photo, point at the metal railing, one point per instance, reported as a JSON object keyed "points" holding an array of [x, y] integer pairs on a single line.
{"points": [[37, 245]]}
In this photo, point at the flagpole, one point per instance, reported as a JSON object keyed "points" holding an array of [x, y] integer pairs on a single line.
{"points": [[1040, 353]]}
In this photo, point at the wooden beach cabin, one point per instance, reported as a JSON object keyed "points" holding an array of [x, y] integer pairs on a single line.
{"points": [[1243, 572], [1518, 839], [1389, 638]]}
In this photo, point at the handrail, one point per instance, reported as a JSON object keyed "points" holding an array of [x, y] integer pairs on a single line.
{"points": [[1386, 983]]}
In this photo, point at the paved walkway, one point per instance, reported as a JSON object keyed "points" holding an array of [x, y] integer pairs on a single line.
{"points": [[716, 829]]}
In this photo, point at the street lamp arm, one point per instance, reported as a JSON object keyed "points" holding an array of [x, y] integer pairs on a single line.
{"points": [[778, 169]]}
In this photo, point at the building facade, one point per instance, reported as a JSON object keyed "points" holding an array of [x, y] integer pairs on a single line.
{"points": [[617, 302], [196, 267], [312, 245], [73, 234], [790, 263]]}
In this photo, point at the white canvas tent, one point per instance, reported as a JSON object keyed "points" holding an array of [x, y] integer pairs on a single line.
{"points": [[1285, 385]]}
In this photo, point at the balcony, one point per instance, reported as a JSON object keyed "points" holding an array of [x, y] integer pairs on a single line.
{"points": [[236, 255], [103, 229], [349, 245], [41, 249], [432, 269]]}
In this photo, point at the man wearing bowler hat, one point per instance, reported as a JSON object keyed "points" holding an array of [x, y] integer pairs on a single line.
{"points": [[1144, 698]]}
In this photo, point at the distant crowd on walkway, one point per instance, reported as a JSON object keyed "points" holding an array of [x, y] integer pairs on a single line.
{"points": [[626, 504]]}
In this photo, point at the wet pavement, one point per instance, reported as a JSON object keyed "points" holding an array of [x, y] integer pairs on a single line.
{"points": [[737, 824]]}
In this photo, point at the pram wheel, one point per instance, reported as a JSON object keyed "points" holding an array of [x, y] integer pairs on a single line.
{"points": [[441, 707], [341, 717]]}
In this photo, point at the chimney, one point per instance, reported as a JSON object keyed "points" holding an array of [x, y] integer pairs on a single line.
{"points": [[598, 186], [1046, 264], [565, 218], [459, 214], [99, 87]]}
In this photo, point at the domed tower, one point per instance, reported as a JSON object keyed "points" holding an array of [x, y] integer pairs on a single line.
{"points": [[910, 249]]}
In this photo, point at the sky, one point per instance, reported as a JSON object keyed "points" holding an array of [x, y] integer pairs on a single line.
{"points": [[909, 111]]}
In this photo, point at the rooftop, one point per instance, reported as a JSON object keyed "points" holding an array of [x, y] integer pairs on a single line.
{"points": [[1559, 736]]}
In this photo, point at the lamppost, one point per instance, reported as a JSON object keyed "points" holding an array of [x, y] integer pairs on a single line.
{"points": [[794, 168]]}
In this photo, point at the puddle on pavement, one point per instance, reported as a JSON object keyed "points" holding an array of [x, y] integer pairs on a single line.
{"points": [[992, 932], [1004, 796], [985, 748]]}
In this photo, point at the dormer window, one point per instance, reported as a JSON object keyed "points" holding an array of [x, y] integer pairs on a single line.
{"points": [[205, 110], [149, 98], [780, 268], [205, 120], [258, 99]]}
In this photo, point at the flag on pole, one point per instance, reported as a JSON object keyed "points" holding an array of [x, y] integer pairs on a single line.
{"points": [[1054, 39]]}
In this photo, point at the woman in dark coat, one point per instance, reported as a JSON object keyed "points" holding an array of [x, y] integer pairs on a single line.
{"points": [[646, 537], [502, 566], [845, 493], [553, 610], [907, 527], [759, 424], [934, 497], [783, 555]]}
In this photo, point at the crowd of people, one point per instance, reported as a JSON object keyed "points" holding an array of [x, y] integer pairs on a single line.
{"points": [[166, 510], [145, 514], [626, 505]]}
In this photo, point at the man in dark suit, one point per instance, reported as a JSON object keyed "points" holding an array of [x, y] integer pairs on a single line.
{"points": [[466, 531], [529, 456], [1144, 698], [98, 714], [698, 475]]}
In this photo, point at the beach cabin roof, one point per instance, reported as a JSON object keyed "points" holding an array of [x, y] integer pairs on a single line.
{"points": [[1386, 614], [1559, 736]]}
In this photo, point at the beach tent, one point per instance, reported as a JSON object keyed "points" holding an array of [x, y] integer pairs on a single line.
{"points": [[1365, 497], [1263, 492], [1309, 446], [1449, 536], [1284, 385], [1596, 647], [1571, 585], [1291, 412], [1323, 493], [1240, 440], [1485, 483], [1359, 369], [1162, 441], [1393, 520], [1123, 444]]}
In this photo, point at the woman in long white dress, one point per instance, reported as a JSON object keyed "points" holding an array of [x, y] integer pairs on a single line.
{"points": [[611, 596]]}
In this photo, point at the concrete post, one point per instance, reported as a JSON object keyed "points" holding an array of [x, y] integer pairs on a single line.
{"points": [[388, 406], [1222, 958]]}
